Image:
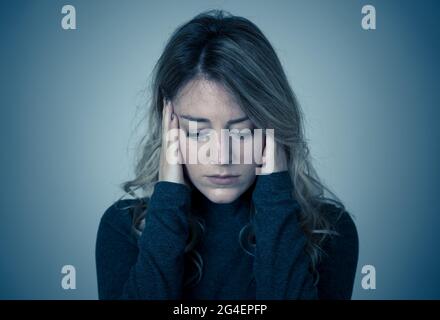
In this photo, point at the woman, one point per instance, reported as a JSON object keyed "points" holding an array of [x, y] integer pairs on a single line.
{"points": [[219, 230]]}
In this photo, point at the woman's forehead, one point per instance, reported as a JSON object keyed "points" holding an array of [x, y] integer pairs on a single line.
{"points": [[207, 99]]}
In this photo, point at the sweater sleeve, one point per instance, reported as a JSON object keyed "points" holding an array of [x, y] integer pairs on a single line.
{"points": [[281, 265], [337, 270], [152, 268]]}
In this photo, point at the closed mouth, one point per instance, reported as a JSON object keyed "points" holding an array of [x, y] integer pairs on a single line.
{"points": [[223, 180], [223, 176]]}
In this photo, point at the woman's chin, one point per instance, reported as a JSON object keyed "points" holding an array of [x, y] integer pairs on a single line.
{"points": [[222, 195]]}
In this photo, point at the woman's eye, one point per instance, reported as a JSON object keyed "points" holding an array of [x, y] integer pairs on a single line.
{"points": [[197, 135], [242, 134], [203, 135], [192, 135]]}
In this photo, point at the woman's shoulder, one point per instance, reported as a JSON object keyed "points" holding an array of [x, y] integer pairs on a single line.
{"points": [[119, 215], [340, 219], [343, 243]]}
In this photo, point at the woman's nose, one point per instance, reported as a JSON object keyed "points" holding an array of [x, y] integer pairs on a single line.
{"points": [[226, 148]]}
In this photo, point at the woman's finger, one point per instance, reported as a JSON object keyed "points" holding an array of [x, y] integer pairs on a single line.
{"points": [[174, 122], [174, 125], [263, 157], [165, 120]]}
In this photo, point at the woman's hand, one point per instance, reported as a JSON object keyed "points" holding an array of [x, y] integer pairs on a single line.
{"points": [[274, 157], [170, 168]]}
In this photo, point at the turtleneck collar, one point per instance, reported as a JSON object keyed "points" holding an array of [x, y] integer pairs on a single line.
{"points": [[205, 206]]}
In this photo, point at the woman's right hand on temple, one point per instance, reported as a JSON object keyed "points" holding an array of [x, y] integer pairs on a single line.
{"points": [[170, 169]]}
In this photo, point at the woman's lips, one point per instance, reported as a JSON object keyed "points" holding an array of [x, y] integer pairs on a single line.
{"points": [[223, 180]]}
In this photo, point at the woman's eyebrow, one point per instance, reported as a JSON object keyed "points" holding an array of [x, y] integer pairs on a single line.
{"points": [[237, 120], [233, 121], [191, 118]]}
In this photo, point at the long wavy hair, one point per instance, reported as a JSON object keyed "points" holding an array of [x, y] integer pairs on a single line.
{"points": [[231, 50]]}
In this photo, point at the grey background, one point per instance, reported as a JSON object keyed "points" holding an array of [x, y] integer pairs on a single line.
{"points": [[68, 112]]}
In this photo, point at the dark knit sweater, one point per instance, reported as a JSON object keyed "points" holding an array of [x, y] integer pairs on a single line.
{"points": [[154, 266]]}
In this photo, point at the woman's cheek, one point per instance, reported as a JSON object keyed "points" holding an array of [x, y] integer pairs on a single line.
{"points": [[247, 151], [257, 153]]}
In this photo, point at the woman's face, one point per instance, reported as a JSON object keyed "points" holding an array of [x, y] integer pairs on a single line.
{"points": [[212, 107]]}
